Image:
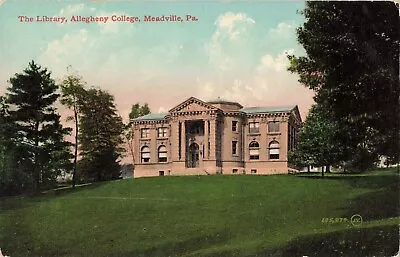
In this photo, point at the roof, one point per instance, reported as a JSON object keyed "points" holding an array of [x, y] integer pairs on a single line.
{"points": [[250, 110], [152, 116]]}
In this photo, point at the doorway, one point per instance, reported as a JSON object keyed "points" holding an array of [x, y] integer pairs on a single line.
{"points": [[193, 157]]}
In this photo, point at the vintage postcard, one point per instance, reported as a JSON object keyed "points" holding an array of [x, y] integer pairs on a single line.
{"points": [[199, 128]]}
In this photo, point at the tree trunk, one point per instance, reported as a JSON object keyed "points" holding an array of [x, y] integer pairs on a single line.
{"points": [[323, 169], [328, 169], [36, 171], [76, 147], [308, 168]]}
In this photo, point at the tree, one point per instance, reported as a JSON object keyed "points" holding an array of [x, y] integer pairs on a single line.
{"points": [[100, 136], [38, 134], [352, 65], [137, 110], [72, 88], [317, 142]]}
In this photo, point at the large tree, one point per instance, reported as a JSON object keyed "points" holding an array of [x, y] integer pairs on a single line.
{"points": [[73, 90], [351, 62], [37, 132], [100, 136]]}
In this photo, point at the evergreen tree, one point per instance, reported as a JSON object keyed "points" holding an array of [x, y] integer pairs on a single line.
{"points": [[37, 132], [352, 65], [100, 136]]}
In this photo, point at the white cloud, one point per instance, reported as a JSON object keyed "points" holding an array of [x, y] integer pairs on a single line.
{"points": [[279, 63], [162, 109], [233, 24], [225, 49], [283, 29], [63, 52], [72, 10]]}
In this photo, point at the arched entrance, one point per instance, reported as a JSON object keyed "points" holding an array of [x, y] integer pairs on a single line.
{"points": [[193, 156]]}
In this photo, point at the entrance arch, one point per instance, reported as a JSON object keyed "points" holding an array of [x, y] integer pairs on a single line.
{"points": [[193, 156]]}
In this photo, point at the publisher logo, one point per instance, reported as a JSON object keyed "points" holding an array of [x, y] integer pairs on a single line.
{"points": [[356, 220]]}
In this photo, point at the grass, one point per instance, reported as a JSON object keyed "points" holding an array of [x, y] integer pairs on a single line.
{"points": [[278, 215]]}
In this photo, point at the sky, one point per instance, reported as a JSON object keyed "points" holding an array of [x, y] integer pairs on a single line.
{"points": [[234, 50]]}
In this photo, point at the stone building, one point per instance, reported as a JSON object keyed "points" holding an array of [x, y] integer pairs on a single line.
{"points": [[216, 137]]}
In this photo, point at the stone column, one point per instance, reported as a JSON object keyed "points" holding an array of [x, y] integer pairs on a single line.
{"points": [[174, 140], [206, 139], [213, 134], [183, 141]]}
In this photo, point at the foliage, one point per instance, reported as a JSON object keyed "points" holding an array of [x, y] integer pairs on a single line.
{"points": [[137, 110], [37, 134], [352, 65], [318, 143], [12, 178], [72, 88], [100, 136]]}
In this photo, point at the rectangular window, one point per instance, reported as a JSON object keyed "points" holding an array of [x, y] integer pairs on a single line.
{"points": [[273, 126], [234, 147], [145, 133], [254, 127], [162, 132], [162, 157], [254, 155], [145, 157], [253, 171], [234, 171], [234, 126], [161, 173]]}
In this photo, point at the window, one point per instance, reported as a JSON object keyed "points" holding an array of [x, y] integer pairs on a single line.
{"points": [[162, 132], [273, 126], [162, 154], [234, 171], [274, 150], [145, 154], [144, 133], [253, 171], [234, 147], [254, 150], [254, 127], [234, 125], [161, 173]]}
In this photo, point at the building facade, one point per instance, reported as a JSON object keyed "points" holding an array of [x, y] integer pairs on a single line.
{"points": [[216, 137]]}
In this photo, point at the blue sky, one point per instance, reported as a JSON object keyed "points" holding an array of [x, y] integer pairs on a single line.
{"points": [[235, 50]]}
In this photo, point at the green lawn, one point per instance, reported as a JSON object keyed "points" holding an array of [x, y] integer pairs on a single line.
{"points": [[244, 215]]}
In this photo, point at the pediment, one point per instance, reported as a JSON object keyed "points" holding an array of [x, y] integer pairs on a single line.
{"points": [[193, 104]]}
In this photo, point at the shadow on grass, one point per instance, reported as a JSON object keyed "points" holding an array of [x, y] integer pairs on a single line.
{"points": [[357, 242], [21, 201], [179, 248], [381, 203]]}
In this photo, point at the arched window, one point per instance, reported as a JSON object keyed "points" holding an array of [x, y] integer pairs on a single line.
{"points": [[254, 148], [145, 154], [274, 150], [162, 154]]}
